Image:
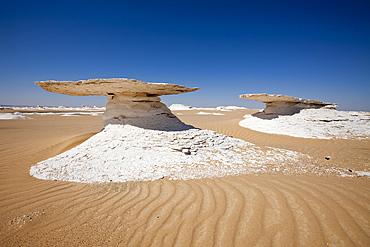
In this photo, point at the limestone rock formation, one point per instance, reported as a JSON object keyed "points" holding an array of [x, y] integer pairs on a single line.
{"points": [[129, 101], [286, 105]]}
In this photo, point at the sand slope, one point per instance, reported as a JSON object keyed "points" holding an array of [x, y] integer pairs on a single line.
{"points": [[265, 210]]}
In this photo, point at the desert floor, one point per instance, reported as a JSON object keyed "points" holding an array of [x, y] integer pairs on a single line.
{"points": [[250, 210]]}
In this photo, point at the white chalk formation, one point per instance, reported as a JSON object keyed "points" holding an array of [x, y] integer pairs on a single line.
{"points": [[130, 101], [314, 123], [286, 105], [10, 116], [287, 115], [142, 140], [122, 153]]}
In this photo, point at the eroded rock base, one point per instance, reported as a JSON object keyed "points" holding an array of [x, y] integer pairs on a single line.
{"points": [[283, 108], [142, 111]]}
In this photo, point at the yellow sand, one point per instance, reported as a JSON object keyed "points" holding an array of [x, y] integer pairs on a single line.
{"points": [[265, 210]]}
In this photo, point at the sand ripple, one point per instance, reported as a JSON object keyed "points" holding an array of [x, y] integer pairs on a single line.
{"points": [[239, 211]]}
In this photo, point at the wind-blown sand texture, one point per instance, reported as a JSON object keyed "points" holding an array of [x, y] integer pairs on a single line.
{"points": [[248, 210]]}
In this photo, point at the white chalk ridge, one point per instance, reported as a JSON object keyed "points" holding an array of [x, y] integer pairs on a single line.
{"points": [[10, 116], [313, 123], [123, 153]]}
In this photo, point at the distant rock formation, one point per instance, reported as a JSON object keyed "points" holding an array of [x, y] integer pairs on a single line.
{"points": [[286, 105], [129, 101], [180, 107]]}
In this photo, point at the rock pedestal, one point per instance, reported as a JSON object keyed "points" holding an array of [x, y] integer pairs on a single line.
{"points": [[140, 110], [130, 101], [286, 105]]}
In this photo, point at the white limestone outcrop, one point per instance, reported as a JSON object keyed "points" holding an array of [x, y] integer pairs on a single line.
{"points": [[314, 123], [286, 105], [122, 153], [129, 101]]}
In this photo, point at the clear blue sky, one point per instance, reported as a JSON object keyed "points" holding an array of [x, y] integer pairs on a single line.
{"points": [[310, 49]]}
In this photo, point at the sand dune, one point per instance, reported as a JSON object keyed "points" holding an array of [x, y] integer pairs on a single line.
{"points": [[264, 210]]}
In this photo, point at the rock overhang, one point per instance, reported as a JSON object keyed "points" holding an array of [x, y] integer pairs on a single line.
{"points": [[112, 86]]}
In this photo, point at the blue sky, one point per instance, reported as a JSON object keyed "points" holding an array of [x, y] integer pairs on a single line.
{"points": [[310, 49]]}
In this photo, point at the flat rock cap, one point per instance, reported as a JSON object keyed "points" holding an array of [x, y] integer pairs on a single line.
{"points": [[270, 98], [112, 86]]}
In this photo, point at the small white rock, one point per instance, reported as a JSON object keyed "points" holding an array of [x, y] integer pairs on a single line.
{"points": [[156, 178]]}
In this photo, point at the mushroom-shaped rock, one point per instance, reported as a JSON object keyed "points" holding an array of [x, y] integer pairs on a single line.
{"points": [[130, 101], [286, 105]]}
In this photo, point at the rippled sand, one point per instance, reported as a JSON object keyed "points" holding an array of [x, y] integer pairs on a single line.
{"points": [[264, 210]]}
